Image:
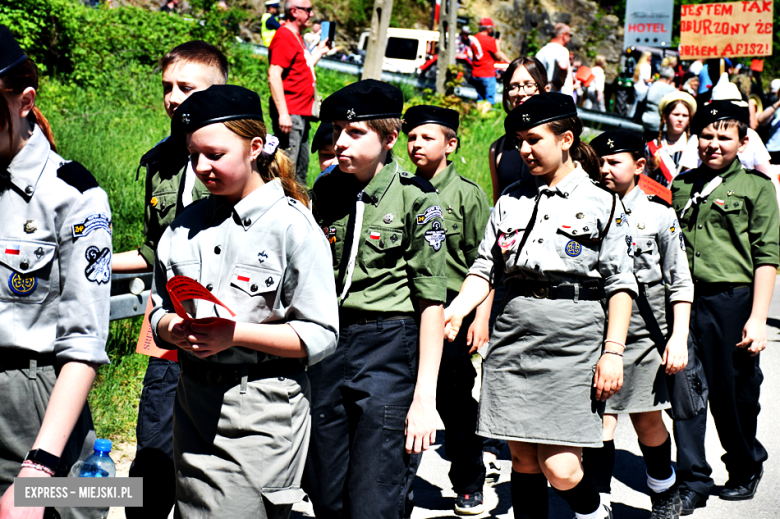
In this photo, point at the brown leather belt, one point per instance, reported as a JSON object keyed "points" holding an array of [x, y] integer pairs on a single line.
{"points": [[213, 374]]}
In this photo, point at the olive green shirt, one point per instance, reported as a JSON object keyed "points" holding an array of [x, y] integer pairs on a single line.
{"points": [[164, 186], [401, 256], [734, 230], [466, 213]]}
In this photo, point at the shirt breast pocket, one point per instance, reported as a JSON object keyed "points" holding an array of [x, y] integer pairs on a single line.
{"points": [[453, 233], [26, 271], [382, 247], [645, 253], [162, 203], [577, 240], [732, 212], [255, 291]]}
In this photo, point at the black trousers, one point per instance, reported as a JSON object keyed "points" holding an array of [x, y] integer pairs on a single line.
{"points": [[458, 410], [357, 466], [734, 380], [154, 432]]}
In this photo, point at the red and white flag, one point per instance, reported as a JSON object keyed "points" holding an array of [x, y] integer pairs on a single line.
{"points": [[374, 235], [12, 248]]}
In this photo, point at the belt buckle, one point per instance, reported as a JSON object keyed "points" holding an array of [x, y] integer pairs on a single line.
{"points": [[541, 293], [214, 377], [362, 320]]}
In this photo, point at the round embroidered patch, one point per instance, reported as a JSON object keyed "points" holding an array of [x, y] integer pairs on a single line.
{"points": [[573, 249], [21, 285]]}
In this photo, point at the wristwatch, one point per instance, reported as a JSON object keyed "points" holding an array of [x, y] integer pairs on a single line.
{"points": [[41, 457]]}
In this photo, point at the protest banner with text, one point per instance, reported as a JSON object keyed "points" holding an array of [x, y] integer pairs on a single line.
{"points": [[726, 30]]}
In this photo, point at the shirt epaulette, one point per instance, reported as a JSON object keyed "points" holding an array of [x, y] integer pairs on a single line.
{"points": [[409, 179], [76, 175], [469, 181], [658, 200], [602, 186]]}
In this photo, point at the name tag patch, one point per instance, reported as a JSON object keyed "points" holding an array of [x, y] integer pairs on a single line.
{"points": [[435, 236], [22, 285], [573, 249], [98, 265], [93, 222], [429, 214]]}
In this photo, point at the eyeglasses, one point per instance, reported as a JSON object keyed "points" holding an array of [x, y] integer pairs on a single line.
{"points": [[528, 88], [307, 9]]}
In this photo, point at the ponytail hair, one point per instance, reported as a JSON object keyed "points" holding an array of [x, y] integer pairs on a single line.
{"points": [[273, 166], [12, 84], [580, 151]]}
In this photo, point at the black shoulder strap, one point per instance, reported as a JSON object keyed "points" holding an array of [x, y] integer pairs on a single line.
{"points": [[76, 175]]}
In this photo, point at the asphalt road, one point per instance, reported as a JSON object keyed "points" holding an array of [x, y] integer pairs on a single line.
{"points": [[435, 498]]}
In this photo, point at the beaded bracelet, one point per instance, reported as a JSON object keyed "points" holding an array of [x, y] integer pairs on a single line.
{"points": [[614, 353], [37, 466], [615, 342]]}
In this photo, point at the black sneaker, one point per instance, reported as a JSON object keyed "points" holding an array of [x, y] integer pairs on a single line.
{"points": [[492, 472], [469, 504], [666, 505], [691, 501]]}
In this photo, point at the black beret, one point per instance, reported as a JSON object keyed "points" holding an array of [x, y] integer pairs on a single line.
{"points": [[617, 141], [719, 110], [426, 114], [362, 101], [323, 137], [540, 109], [216, 104], [11, 54]]}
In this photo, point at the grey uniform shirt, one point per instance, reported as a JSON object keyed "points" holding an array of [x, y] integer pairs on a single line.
{"points": [[55, 257], [265, 258], [659, 254], [565, 244]]}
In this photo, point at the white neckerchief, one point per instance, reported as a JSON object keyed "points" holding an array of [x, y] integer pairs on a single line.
{"points": [[698, 197]]}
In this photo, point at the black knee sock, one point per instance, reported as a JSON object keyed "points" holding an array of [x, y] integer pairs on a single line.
{"points": [[529, 495], [658, 459], [584, 498], [599, 464]]}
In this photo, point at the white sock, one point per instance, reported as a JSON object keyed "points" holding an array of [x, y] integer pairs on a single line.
{"points": [[599, 513], [661, 485], [606, 499]]}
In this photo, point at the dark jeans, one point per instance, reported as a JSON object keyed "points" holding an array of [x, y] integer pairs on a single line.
{"points": [[294, 144], [458, 410], [734, 380], [154, 432], [357, 466]]}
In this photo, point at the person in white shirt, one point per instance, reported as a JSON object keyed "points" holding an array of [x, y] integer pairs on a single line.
{"points": [[594, 98], [555, 58]]}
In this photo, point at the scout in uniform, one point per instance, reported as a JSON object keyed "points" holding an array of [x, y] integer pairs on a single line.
{"points": [[241, 416], [171, 186], [466, 210], [322, 145], [374, 400], [729, 221], [661, 267], [55, 265], [557, 241]]}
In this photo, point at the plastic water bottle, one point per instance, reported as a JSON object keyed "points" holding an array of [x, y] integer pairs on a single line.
{"points": [[99, 464]]}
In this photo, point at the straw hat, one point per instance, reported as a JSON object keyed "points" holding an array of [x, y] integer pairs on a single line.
{"points": [[677, 95]]}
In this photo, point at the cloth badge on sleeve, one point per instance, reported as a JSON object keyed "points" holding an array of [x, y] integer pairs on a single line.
{"points": [[673, 227], [631, 244], [507, 239], [99, 265], [374, 235], [93, 222], [573, 249], [682, 242], [429, 214], [13, 249], [22, 285], [435, 236]]}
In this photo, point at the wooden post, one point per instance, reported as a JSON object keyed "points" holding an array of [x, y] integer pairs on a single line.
{"points": [[448, 45], [377, 40]]}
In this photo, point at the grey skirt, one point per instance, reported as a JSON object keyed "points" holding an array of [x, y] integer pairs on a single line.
{"points": [[644, 380], [537, 376]]}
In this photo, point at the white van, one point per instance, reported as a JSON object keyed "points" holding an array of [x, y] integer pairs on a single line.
{"points": [[407, 49]]}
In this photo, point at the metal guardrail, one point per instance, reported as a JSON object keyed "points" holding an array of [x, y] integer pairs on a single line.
{"points": [[129, 293]]}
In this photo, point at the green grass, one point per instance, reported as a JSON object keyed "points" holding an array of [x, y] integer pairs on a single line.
{"points": [[109, 129]]}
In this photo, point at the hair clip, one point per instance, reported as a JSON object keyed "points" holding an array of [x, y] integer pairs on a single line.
{"points": [[271, 143]]}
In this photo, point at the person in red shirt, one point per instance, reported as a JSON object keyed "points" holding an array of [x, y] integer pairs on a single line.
{"points": [[485, 53], [292, 81]]}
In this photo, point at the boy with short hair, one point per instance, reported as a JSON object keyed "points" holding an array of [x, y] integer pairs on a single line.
{"points": [[731, 233], [171, 185], [373, 401], [322, 144], [432, 137]]}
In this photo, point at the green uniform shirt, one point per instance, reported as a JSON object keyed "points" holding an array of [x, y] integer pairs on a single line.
{"points": [[163, 194], [466, 213], [734, 230], [401, 256]]}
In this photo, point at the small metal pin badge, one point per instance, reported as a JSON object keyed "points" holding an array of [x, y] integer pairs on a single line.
{"points": [[714, 112], [610, 143], [185, 118], [580, 216], [30, 227], [526, 118], [449, 209], [388, 218], [39, 252], [262, 256], [730, 193], [350, 114], [269, 281], [640, 225]]}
